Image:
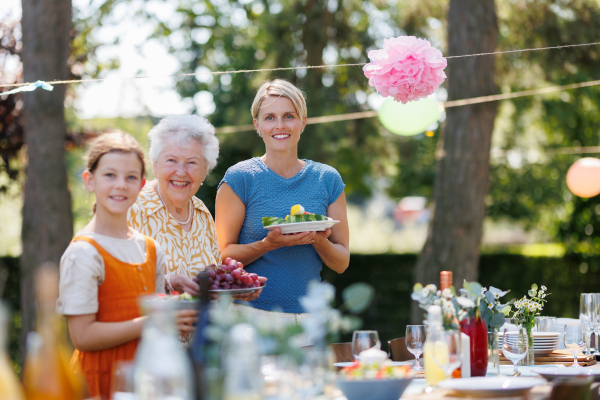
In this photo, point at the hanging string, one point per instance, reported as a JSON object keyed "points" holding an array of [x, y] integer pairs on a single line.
{"points": [[216, 73], [447, 104]]}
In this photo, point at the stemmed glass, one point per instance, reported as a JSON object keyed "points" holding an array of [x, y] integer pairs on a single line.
{"points": [[586, 310], [515, 345], [595, 314], [447, 351], [364, 340], [574, 339], [414, 340]]}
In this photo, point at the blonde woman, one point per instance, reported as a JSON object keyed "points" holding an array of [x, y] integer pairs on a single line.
{"points": [[268, 186]]}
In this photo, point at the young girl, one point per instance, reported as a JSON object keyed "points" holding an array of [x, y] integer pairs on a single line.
{"points": [[108, 266]]}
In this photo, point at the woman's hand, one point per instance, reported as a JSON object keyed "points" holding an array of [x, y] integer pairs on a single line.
{"points": [[185, 320], [253, 295], [182, 283], [275, 239], [321, 236]]}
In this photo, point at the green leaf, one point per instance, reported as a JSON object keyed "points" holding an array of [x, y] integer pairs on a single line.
{"points": [[355, 322], [534, 287], [358, 296], [490, 297], [497, 320], [417, 288]]}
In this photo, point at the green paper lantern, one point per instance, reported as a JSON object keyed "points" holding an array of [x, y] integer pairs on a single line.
{"points": [[411, 118]]}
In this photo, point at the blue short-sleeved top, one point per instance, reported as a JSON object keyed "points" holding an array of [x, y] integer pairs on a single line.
{"points": [[267, 194]]}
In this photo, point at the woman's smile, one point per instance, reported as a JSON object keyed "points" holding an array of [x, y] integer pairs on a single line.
{"points": [[281, 136], [179, 184]]}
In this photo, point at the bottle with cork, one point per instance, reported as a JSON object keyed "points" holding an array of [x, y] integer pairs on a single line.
{"points": [[445, 279]]}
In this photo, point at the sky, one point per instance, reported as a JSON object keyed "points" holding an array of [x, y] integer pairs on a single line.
{"points": [[117, 96]]}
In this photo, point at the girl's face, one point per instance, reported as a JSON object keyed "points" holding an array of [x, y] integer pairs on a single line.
{"points": [[279, 123], [180, 171], [117, 181]]}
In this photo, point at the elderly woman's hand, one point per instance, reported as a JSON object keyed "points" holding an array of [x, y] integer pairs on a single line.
{"points": [[182, 283], [277, 240], [253, 295]]}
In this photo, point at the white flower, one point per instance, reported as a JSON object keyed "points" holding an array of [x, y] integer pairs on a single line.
{"points": [[490, 306], [432, 288], [438, 293], [544, 288], [483, 290], [448, 306], [465, 303], [437, 302], [425, 292], [447, 293]]}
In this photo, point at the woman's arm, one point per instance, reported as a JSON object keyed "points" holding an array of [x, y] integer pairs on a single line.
{"points": [[230, 212], [87, 334], [332, 245]]}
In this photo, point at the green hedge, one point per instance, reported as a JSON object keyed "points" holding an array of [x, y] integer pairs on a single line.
{"points": [[392, 277]]}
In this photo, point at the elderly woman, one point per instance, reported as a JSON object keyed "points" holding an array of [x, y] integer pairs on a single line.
{"points": [[183, 149], [269, 186]]}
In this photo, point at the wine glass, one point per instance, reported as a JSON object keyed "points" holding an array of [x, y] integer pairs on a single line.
{"points": [[595, 316], [447, 351], [515, 345], [364, 340], [414, 340], [574, 339], [586, 310], [122, 386]]}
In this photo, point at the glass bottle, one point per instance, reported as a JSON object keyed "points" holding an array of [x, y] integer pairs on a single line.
{"points": [[10, 387], [162, 368], [243, 377], [445, 279], [47, 374], [434, 343]]}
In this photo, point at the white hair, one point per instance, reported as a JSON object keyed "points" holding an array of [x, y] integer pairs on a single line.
{"points": [[181, 129]]}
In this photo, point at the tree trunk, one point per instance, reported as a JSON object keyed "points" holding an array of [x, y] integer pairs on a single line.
{"points": [[462, 175], [47, 220]]}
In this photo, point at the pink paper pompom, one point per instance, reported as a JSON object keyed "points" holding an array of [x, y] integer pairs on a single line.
{"points": [[407, 68]]}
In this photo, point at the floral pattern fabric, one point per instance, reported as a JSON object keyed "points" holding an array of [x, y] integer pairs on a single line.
{"points": [[187, 252]]}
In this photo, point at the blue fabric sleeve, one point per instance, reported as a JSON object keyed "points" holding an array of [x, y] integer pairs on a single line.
{"points": [[336, 186], [235, 180]]}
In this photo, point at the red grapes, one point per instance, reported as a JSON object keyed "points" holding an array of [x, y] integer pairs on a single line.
{"points": [[231, 275]]}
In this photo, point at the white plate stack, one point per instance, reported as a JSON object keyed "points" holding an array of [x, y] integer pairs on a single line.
{"points": [[544, 343]]}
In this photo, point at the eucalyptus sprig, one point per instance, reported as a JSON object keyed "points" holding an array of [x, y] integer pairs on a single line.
{"points": [[491, 309]]}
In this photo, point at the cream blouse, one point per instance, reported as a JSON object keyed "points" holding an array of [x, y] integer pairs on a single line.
{"points": [[187, 252]]}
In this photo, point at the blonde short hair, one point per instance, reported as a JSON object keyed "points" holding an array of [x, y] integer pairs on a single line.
{"points": [[280, 88]]}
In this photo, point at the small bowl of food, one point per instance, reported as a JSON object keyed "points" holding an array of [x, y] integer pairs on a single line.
{"points": [[373, 378]]}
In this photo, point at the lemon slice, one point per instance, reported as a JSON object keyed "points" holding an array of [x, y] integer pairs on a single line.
{"points": [[297, 210]]}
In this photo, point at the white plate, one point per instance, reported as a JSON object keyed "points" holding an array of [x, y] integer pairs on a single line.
{"points": [[310, 226], [502, 386], [391, 363], [562, 372], [236, 291], [543, 352], [540, 335]]}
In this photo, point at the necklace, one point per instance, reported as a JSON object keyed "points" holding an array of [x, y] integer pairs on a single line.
{"points": [[176, 220]]}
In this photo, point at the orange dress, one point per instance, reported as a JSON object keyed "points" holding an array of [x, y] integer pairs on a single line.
{"points": [[117, 301]]}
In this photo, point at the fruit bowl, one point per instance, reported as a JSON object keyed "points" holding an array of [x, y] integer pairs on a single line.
{"points": [[380, 389]]}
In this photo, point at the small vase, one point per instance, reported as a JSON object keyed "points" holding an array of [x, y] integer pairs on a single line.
{"points": [[493, 367], [530, 356], [476, 329]]}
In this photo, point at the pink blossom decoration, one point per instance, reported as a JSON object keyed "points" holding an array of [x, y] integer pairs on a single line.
{"points": [[407, 68]]}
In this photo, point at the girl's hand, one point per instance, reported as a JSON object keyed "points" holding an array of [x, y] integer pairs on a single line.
{"points": [[182, 283], [276, 240], [185, 320]]}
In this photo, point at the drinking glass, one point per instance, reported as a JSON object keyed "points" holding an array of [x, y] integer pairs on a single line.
{"points": [[364, 340], [447, 351], [574, 339], [586, 310], [547, 324], [515, 344], [122, 386], [595, 315], [414, 340]]}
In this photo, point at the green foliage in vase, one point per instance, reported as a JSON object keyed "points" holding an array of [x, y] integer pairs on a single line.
{"points": [[526, 309], [491, 309]]}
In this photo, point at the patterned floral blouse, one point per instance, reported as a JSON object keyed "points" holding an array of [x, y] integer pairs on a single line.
{"points": [[187, 252]]}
